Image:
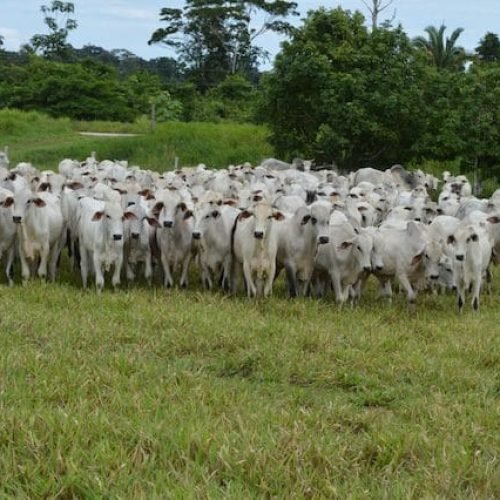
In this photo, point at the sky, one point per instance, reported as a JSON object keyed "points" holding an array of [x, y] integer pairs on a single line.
{"points": [[128, 24]]}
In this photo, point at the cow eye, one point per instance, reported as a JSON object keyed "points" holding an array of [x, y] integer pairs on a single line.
{"points": [[108, 216], [28, 202], [314, 220], [408, 208], [359, 248]]}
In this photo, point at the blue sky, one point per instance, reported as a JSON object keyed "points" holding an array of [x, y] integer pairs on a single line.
{"points": [[129, 23]]}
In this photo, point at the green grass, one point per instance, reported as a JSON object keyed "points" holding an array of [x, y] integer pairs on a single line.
{"points": [[145, 393], [44, 141]]}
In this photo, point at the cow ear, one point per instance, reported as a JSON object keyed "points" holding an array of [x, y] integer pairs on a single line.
{"points": [[494, 219], [345, 245], [451, 240], [152, 221], [129, 216], [305, 220], [215, 214], [8, 202], [158, 207], [278, 215], [148, 194], [244, 215], [98, 215], [187, 214], [39, 202], [417, 258], [231, 203], [74, 185], [44, 186]]}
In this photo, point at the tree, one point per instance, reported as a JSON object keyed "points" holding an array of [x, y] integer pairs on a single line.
{"points": [[443, 54], [375, 8], [488, 49], [54, 45], [339, 92], [2, 39], [214, 37]]}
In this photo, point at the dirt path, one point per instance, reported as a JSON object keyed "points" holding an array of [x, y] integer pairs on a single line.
{"points": [[108, 134]]}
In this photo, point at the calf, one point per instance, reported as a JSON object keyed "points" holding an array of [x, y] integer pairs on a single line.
{"points": [[472, 251]]}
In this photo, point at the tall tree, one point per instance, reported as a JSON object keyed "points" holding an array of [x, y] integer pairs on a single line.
{"points": [[54, 45], [215, 38], [375, 7], [339, 92], [1, 40], [488, 49], [443, 53]]}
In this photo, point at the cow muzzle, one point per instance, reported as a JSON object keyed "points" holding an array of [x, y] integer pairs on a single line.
{"points": [[117, 237], [17, 219], [323, 240], [259, 234], [459, 257], [168, 223], [135, 236], [196, 235]]}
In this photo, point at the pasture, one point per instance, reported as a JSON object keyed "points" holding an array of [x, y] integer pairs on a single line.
{"points": [[145, 393]]}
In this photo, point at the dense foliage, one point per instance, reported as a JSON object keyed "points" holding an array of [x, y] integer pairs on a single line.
{"points": [[339, 91], [342, 93]]}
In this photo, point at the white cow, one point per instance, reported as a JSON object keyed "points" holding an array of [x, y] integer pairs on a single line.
{"points": [[7, 232], [472, 251], [100, 236], [212, 234], [342, 260], [174, 234], [40, 230], [402, 249], [254, 248], [298, 238]]}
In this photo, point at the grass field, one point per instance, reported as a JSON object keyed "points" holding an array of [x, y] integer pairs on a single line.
{"points": [[45, 141], [146, 393]]}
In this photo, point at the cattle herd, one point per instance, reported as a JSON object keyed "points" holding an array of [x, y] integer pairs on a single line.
{"points": [[242, 226]]}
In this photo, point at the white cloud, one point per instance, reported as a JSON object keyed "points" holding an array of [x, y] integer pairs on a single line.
{"points": [[12, 38]]}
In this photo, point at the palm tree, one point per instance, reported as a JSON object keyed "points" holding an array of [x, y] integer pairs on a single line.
{"points": [[444, 54]]}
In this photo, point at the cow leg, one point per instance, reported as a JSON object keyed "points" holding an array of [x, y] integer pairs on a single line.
{"points": [[250, 285], [185, 268], [8, 265], [148, 269], [410, 293], [291, 279], [44, 257], [337, 288], [168, 280], [25, 268], [115, 280], [84, 265], [476, 288], [268, 285], [99, 278]]}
